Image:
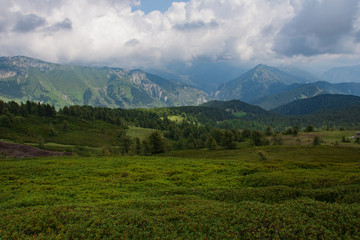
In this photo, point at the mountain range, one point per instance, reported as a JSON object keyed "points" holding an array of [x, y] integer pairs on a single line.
{"points": [[24, 78]]}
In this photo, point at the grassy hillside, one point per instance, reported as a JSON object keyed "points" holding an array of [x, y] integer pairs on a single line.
{"points": [[296, 193], [318, 103]]}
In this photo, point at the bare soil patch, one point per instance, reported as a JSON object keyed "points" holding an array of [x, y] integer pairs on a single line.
{"points": [[14, 150]]}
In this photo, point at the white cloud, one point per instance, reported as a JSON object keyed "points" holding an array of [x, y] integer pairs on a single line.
{"points": [[110, 32]]}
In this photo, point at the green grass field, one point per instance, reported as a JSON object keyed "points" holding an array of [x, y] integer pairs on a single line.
{"points": [[297, 192], [138, 132]]}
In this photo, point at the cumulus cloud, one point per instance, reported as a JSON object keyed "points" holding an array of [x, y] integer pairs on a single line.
{"points": [[320, 27], [112, 32]]}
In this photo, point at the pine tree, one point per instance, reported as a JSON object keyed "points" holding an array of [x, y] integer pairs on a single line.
{"points": [[316, 141], [268, 131], [157, 143], [211, 143], [138, 146], [228, 140]]}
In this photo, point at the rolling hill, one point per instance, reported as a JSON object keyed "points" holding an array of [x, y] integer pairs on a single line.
{"points": [[23, 78], [317, 103], [235, 106]]}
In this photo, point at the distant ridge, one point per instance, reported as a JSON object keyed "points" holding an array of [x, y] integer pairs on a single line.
{"points": [[317, 103], [302, 91], [235, 106]]}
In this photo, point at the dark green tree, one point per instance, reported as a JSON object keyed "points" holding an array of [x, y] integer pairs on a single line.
{"points": [[41, 141], [259, 139], [228, 140], [296, 130], [157, 142], [246, 133], [125, 142], [268, 131], [137, 146], [309, 128], [191, 142], [277, 139], [146, 147], [211, 143], [316, 141]]}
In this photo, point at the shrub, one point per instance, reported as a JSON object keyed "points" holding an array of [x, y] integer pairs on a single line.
{"points": [[316, 141]]}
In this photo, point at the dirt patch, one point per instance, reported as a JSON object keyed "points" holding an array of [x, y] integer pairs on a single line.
{"points": [[13, 150]]}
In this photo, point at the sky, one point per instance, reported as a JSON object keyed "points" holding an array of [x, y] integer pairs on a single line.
{"points": [[312, 34]]}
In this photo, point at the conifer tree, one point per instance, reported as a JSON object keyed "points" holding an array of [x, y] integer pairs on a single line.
{"points": [[157, 143], [211, 143]]}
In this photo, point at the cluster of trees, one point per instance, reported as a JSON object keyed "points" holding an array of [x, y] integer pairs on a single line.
{"points": [[153, 144], [200, 127], [28, 108]]}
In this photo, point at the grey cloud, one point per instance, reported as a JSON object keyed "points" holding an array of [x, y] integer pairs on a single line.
{"points": [[132, 43], [357, 36], [2, 26], [64, 25], [319, 28], [27, 23], [198, 25]]}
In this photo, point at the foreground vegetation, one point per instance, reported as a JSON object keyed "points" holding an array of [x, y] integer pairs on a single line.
{"points": [[209, 172], [271, 192]]}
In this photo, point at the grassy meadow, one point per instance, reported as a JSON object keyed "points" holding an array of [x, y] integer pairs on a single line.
{"points": [[271, 192]]}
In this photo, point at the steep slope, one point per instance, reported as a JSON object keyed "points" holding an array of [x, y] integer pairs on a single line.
{"points": [[317, 103], [342, 74], [258, 82], [299, 91], [23, 78]]}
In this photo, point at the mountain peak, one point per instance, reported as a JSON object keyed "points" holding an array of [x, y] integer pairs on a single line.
{"points": [[260, 81], [261, 66]]}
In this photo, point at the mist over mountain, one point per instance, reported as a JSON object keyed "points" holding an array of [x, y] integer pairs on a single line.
{"points": [[200, 74], [342, 74], [292, 70]]}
